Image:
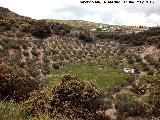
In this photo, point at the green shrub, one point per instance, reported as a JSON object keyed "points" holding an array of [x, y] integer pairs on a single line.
{"points": [[56, 65], [12, 111], [154, 99], [33, 71], [150, 72], [148, 58], [72, 97], [60, 29], [4, 25], [138, 58], [46, 68], [145, 67], [15, 84], [38, 28], [102, 35], [136, 70], [20, 34], [85, 37], [130, 61], [34, 52], [158, 45], [140, 89], [127, 105]]}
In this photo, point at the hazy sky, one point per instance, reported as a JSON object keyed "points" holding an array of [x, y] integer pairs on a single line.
{"points": [[122, 14]]}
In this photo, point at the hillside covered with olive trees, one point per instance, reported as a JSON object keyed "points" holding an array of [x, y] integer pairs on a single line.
{"points": [[77, 70]]}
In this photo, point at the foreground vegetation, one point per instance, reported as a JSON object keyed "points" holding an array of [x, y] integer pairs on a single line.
{"points": [[66, 96], [52, 71]]}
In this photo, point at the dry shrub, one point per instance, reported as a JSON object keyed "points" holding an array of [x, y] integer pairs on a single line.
{"points": [[147, 105], [85, 37], [139, 89], [38, 28], [39, 101], [154, 99], [15, 83], [71, 98], [128, 105], [59, 29]]}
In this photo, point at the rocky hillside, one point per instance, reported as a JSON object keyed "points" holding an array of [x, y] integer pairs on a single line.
{"points": [[34, 54], [39, 46]]}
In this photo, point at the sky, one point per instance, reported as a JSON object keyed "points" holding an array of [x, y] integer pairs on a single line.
{"points": [[147, 14]]}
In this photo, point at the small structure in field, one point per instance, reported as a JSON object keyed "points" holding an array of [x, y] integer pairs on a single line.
{"points": [[93, 29], [128, 70]]}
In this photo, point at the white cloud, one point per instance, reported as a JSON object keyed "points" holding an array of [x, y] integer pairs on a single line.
{"points": [[92, 18], [123, 17], [128, 14]]}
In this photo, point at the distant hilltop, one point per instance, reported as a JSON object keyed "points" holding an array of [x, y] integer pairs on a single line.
{"points": [[10, 19]]}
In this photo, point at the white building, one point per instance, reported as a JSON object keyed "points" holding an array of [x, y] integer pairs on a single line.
{"points": [[101, 26], [104, 29]]}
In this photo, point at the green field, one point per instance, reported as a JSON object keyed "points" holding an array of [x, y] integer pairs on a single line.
{"points": [[102, 75]]}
